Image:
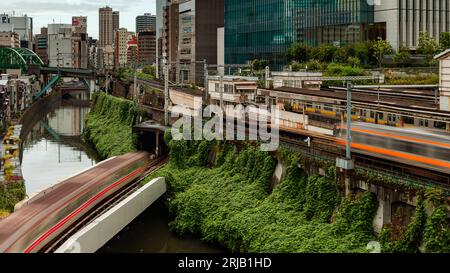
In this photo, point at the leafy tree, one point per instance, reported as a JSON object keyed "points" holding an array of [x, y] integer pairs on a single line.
{"points": [[313, 65], [341, 55], [259, 64], [428, 46], [362, 52], [354, 61], [323, 53], [298, 52], [444, 41], [149, 70], [380, 49], [402, 57]]}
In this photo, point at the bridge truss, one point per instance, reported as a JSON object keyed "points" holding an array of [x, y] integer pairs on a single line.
{"points": [[18, 58]]}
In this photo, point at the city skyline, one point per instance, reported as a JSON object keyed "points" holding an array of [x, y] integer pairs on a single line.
{"points": [[46, 12]]}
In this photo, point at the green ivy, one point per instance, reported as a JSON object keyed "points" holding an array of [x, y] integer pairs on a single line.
{"points": [[109, 125], [411, 239], [11, 194], [437, 232], [231, 204]]}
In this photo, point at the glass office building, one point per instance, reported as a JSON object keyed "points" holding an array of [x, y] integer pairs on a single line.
{"points": [[264, 29]]}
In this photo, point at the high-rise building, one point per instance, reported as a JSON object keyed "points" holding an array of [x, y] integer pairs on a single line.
{"points": [[146, 47], [401, 22], [203, 17], [115, 21], [265, 29], [80, 49], [22, 25], [169, 41], [146, 22], [160, 4], [105, 26], [59, 45], [41, 45], [121, 47]]}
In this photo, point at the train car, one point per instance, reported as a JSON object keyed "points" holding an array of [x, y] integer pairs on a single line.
{"points": [[35, 225]]}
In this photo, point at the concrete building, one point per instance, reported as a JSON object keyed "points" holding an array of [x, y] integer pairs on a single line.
{"points": [[221, 50], [400, 22], [59, 47], [9, 39], [146, 22], [121, 47], [160, 4], [444, 80], [132, 50], [40, 45], [169, 39], [203, 17], [105, 26], [265, 29], [232, 90], [22, 25], [116, 23], [80, 49], [147, 47]]}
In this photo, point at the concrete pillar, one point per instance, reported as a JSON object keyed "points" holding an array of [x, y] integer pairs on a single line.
{"points": [[91, 86], [383, 215], [157, 150]]}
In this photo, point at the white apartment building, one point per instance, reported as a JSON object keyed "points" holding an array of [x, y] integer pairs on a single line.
{"points": [[60, 45]]}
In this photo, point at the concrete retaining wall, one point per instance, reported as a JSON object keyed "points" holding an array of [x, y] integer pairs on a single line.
{"points": [[98, 233]]}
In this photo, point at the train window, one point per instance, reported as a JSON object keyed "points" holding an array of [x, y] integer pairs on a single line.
{"points": [[328, 107], [381, 115], [372, 114], [440, 125], [423, 123], [318, 106], [408, 120]]}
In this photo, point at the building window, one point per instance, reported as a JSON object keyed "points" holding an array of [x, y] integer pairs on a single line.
{"points": [[187, 30]]}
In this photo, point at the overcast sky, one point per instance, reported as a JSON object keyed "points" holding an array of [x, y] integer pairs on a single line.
{"points": [[61, 11]]}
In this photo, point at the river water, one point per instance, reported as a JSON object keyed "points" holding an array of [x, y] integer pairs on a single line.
{"points": [[54, 150]]}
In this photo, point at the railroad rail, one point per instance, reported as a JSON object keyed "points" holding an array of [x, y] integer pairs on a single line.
{"points": [[103, 207], [326, 149]]}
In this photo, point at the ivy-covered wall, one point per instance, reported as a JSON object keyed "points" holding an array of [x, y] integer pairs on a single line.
{"points": [[109, 125], [230, 202]]}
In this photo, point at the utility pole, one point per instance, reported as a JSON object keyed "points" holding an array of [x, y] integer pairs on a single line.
{"points": [[221, 90], [349, 121], [346, 164], [166, 95], [135, 82], [267, 76]]}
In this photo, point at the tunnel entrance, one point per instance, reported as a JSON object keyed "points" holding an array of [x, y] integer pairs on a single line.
{"points": [[150, 137]]}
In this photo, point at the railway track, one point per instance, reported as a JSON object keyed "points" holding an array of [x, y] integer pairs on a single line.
{"points": [[325, 149], [103, 207]]}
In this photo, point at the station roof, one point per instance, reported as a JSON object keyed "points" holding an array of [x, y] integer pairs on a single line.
{"points": [[359, 97], [443, 54], [150, 126]]}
